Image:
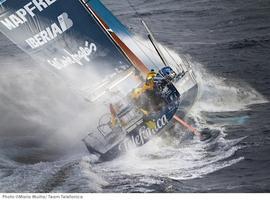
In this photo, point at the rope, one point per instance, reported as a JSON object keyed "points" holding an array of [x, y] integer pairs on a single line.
{"points": [[151, 60], [179, 65], [137, 14]]}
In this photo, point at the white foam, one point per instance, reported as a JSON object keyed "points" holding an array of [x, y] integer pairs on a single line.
{"points": [[217, 95], [158, 159]]}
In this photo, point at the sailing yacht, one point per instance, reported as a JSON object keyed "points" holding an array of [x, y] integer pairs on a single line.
{"points": [[83, 36]]}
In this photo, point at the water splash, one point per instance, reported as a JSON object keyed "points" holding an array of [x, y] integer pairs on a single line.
{"points": [[222, 95], [158, 160]]}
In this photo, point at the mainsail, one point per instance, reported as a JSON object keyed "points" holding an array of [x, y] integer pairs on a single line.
{"points": [[66, 35], [141, 48]]}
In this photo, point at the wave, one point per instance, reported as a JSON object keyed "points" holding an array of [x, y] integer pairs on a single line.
{"points": [[247, 43], [71, 175]]}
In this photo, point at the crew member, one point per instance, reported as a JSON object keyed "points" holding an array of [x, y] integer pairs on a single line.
{"points": [[148, 99]]}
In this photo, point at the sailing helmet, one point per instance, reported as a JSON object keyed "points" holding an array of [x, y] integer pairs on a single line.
{"points": [[151, 75]]}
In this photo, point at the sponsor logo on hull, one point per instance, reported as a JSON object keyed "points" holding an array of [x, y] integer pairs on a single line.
{"points": [[144, 135]]}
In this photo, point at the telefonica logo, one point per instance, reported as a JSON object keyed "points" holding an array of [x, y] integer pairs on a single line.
{"points": [[2, 1]]}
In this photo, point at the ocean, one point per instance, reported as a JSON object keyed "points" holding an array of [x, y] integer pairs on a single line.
{"points": [[42, 120]]}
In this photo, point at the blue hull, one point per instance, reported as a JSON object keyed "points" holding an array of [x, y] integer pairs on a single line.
{"points": [[141, 135]]}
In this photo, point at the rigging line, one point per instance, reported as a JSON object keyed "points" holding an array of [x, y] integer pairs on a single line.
{"points": [[174, 60], [149, 46], [151, 60], [138, 42], [138, 15], [154, 64]]}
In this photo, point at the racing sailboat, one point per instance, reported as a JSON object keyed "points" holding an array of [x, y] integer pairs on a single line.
{"points": [[85, 38]]}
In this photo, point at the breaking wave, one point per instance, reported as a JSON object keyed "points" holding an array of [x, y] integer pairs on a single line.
{"points": [[221, 95]]}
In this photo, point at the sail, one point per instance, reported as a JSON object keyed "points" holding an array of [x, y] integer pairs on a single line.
{"points": [[143, 50], [64, 35], [109, 18]]}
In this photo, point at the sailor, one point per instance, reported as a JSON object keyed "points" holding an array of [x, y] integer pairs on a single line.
{"points": [[150, 80], [149, 85], [150, 89], [148, 99]]}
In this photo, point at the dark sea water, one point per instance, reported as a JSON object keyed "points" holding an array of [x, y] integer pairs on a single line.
{"points": [[228, 43]]}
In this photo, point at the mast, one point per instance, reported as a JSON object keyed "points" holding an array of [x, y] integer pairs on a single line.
{"points": [[156, 46], [138, 64]]}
